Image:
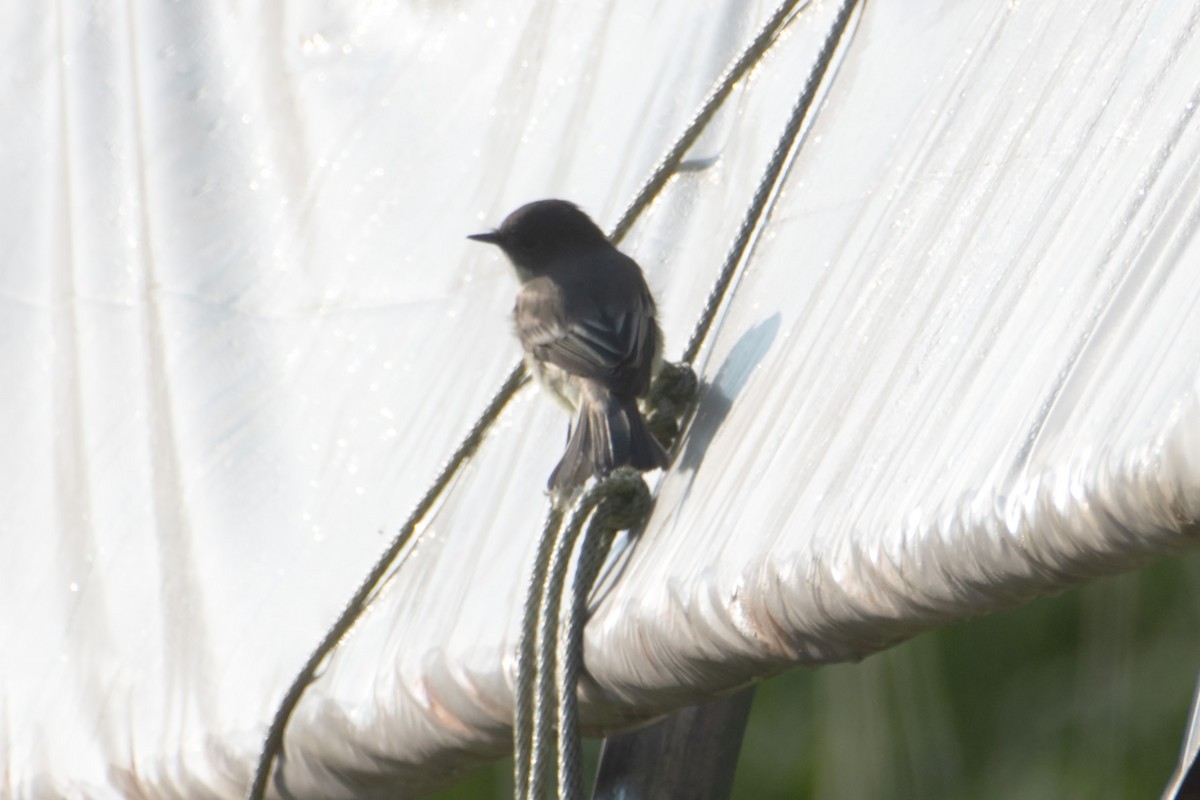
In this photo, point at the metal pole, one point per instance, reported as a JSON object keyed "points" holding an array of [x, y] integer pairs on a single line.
{"points": [[690, 755]]}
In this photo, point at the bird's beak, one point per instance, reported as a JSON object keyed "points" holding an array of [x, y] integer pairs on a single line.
{"points": [[491, 237]]}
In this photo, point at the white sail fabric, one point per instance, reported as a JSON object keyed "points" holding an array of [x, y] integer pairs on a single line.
{"points": [[242, 329]]}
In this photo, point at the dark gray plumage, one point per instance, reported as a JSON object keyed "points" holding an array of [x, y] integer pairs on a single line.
{"points": [[587, 322]]}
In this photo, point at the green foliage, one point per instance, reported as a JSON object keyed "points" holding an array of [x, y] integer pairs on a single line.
{"points": [[1081, 695]]}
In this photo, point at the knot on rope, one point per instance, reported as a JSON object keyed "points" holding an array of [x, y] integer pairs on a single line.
{"points": [[670, 398], [621, 501]]}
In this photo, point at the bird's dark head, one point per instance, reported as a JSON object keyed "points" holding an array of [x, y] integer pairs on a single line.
{"points": [[538, 236]]}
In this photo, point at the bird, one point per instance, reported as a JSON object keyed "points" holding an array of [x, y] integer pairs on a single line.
{"points": [[587, 322]]}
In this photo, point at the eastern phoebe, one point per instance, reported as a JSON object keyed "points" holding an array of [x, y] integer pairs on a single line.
{"points": [[586, 320]]}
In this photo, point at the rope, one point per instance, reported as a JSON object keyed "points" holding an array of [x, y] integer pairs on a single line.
{"points": [[273, 743], [724, 84], [557, 728], [546, 694], [625, 504], [768, 184], [527, 650]]}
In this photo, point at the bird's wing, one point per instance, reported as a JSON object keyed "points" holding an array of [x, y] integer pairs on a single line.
{"points": [[601, 342]]}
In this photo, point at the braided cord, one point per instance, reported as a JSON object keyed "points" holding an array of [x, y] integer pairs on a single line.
{"points": [[769, 184], [273, 743], [546, 726], [527, 654], [626, 504], [737, 69]]}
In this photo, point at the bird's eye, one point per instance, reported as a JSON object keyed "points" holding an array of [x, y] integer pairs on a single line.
{"points": [[527, 243]]}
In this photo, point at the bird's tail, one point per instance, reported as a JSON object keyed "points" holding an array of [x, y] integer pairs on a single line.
{"points": [[609, 433]]}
